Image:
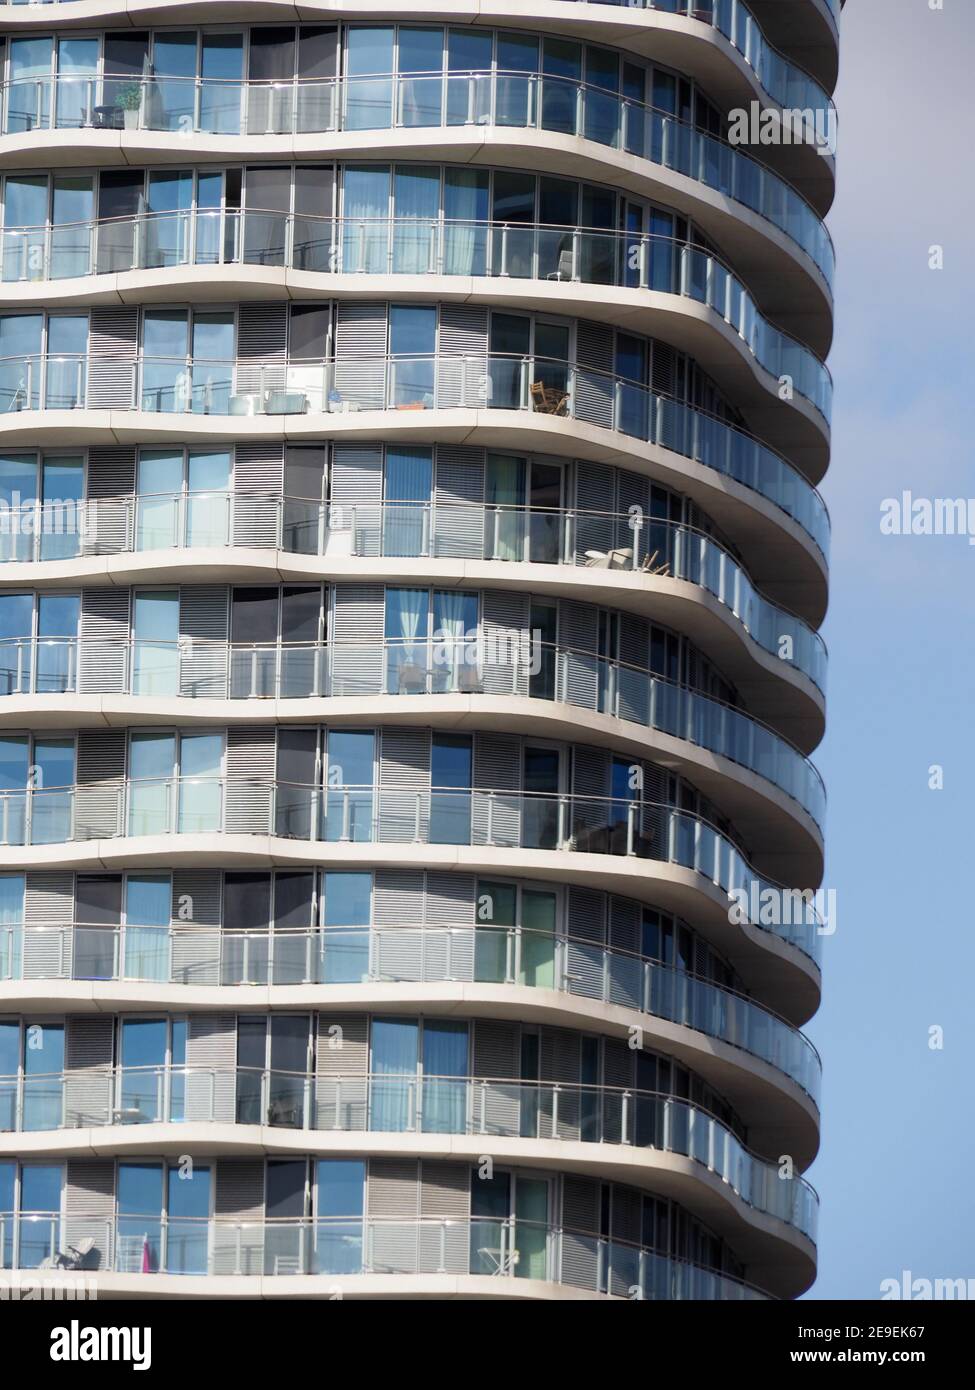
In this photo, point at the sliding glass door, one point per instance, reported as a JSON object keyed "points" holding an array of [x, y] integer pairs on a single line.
{"points": [[143, 1054], [406, 514], [543, 785], [445, 1069], [155, 656], [159, 764], [75, 93], [148, 912], [24, 226], [393, 1091], [340, 1202], [43, 1063]]}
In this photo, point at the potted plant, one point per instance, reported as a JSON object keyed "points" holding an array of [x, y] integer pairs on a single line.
{"points": [[128, 101]]}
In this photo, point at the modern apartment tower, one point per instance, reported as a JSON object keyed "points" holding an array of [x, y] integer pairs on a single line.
{"points": [[412, 562]]}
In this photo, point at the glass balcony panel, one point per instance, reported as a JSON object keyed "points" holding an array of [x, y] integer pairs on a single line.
{"points": [[146, 953], [95, 953], [200, 807], [150, 808]]}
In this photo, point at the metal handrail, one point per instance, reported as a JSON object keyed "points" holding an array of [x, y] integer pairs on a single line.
{"points": [[547, 252], [736, 23], [320, 105], [475, 381], [624, 827], [156, 1243], [672, 550], [508, 1107], [440, 664], [485, 955]]}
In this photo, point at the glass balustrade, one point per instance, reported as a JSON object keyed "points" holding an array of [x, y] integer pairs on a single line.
{"points": [[553, 388], [423, 1105], [625, 827], [602, 540], [519, 100], [356, 955], [490, 1247], [394, 246], [411, 667]]}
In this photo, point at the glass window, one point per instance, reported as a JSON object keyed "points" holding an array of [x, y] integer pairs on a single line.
{"points": [[347, 904], [451, 760], [350, 757], [369, 49], [365, 226], [11, 932], [54, 762], [412, 329], [408, 486], [340, 1187], [393, 1097], [140, 1189], [40, 1194], [517, 53], [148, 899], [164, 332], [348, 899], [338, 1233], [416, 193], [221, 68], [98, 915], [152, 759], [29, 74], [349, 781], [8, 1182], [420, 50], [155, 669], [57, 634], [285, 1204], [18, 493], [413, 341], [246, 901], [148, 907], [450, 800], [43, 1080], [445, 1068], [469, 50]]}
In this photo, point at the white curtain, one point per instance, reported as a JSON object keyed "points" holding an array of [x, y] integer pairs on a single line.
{"points": [[465, 230]]}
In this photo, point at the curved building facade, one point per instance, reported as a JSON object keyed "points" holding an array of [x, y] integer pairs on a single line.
{"points": [[411, 567]]}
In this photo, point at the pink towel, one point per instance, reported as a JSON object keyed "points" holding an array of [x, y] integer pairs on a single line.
{"points": [[146, 1261]]}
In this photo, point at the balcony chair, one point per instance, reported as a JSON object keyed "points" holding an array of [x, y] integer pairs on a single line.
{"points": [[564, 269], [411, 679], [74, 1257], [619, 559], [549, 400], [650, 565]]}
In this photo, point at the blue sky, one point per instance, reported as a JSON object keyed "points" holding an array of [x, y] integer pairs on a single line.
{"points": [[895, 1168]]}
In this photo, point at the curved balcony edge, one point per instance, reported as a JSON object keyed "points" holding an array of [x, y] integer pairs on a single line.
{"points": [[727, 189], [689, 582], [784, 1256], [437, 1257], [136, 1109], [401, 965], [769, 958], [46, 682]]}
